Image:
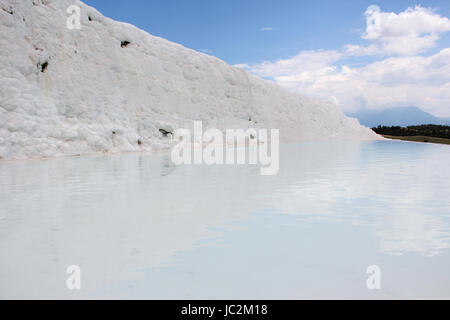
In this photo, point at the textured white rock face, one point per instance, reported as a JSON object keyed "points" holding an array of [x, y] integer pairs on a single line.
{"points": [[96, 96]]}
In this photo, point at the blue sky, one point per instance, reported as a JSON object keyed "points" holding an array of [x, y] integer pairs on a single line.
{"points": [[251, 32]]}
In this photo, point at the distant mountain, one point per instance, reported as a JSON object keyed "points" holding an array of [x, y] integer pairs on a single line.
{"points": [[405, 116]]}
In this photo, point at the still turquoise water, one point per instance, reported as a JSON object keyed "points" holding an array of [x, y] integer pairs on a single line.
{"points": [[140, 227]]}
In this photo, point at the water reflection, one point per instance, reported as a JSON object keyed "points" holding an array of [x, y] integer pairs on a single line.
{"points": [[130, 218]]}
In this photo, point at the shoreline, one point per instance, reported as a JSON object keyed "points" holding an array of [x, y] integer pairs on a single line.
{"points": [[420, 139]]}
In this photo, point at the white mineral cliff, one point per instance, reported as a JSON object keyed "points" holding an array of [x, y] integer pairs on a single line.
{"points": [[110, 87]]}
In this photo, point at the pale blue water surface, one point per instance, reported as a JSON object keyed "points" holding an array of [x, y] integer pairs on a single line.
{"points": [[142, 228]]}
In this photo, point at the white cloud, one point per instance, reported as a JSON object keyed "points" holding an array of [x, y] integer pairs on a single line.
{"points": [[410, 32], [400, 81], [267, 29], [403, 79], [304, 61], [242, 66]]}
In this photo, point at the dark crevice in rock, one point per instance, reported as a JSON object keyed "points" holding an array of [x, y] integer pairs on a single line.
{"points": [[10, 11], [125, 44], [44, 66], [165, 133]]}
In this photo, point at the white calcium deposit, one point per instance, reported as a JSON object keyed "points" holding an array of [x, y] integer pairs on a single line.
{"points": [[72, 92]]}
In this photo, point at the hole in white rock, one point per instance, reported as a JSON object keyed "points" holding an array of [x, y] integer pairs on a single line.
{"points": [[125, 44], [165, 132], [44, 66]]}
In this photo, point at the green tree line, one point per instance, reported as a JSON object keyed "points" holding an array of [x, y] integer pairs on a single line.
{"points": [[429, 130]]}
